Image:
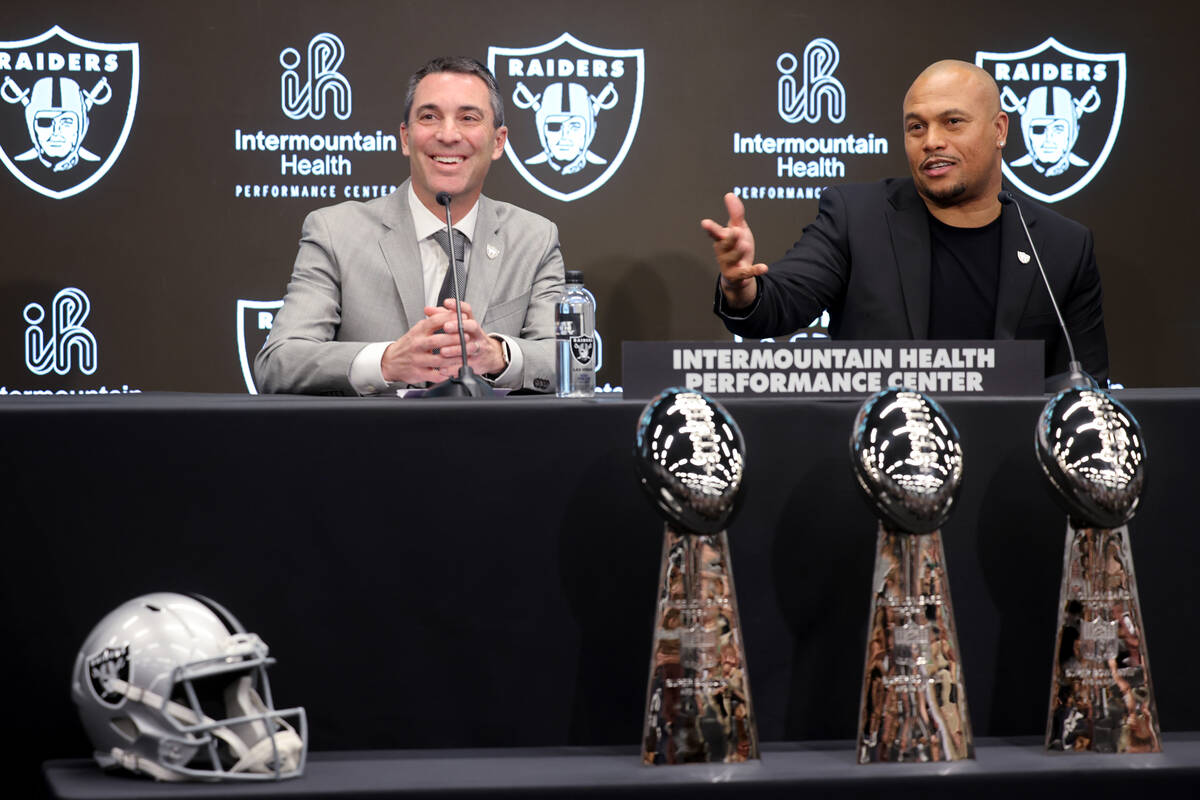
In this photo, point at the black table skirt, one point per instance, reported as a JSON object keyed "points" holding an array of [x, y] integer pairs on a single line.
{"points": [[457, 574]]}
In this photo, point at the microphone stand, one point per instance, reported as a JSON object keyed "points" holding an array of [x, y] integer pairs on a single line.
{"points": [[467, 383], [1075, 374]]}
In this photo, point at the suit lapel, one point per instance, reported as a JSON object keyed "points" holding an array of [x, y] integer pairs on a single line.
{"points": [[1016, 278], [399, 246], [909, 226], [483, 268]]}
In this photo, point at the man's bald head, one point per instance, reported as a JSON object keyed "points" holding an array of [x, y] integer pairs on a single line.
{"points": [[963, 73]]}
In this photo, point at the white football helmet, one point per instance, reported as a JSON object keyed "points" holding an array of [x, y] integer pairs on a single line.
{"points": [[172, 686]]}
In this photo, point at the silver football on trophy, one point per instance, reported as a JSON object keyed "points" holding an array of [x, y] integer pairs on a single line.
{"points": [[690, 456], [1091, 448], [907, 459]]}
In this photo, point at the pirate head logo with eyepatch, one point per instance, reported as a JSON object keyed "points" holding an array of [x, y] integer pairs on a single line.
{"points": [[583, 103], [1067, 105], [74, 101], [566, 123]]}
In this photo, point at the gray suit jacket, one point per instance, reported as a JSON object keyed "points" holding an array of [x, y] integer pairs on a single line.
{"points": [[357, 280]]}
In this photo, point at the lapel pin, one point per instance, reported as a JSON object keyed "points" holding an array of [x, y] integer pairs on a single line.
{"points": [[494, 251], [1022, 256]]}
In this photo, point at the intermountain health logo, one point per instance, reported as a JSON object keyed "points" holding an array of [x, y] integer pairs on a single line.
{"points": [[582, 106], [812, 147], [61, 342], [325, 87], [803, 97], [313, 154], [1067, 106], [67, 111], [58, 342]]}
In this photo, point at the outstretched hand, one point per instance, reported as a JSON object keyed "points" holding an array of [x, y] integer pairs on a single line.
{"points": [[733, 245]]}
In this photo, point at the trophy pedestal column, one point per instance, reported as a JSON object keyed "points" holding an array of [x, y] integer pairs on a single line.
{"points": [[914, 703], [1101, 697], [698, 705]]}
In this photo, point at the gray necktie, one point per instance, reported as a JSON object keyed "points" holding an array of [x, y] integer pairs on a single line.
{"points": [[460, 243]]}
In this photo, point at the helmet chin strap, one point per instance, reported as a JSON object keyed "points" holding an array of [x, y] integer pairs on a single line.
{"points": [[283, 750], [250, 741], [134, 763]]}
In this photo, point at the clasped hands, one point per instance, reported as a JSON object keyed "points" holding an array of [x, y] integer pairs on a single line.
{"points": [[424, 355]]}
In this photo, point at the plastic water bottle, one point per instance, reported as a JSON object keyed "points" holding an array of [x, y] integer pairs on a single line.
{"points": [[575, 329]]}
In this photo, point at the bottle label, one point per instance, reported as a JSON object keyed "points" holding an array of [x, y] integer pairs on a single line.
{"points": [[568, 325], [582, 349]]}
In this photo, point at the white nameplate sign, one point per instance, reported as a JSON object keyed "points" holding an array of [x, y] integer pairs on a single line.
{"points": [[824, 368]]}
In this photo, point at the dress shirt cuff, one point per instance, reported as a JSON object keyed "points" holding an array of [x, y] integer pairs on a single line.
{"points": [[514, 373], [366, 370], [725, 312]]}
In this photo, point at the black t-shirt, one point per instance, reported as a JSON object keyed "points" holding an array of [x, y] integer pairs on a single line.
{"points": [[963, 280]]}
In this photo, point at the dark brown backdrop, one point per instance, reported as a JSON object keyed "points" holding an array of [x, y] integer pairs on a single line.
{"points": [[163, 248]]}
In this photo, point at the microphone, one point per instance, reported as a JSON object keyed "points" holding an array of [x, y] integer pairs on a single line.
{"points": [[1075, 371], [467, 384]]}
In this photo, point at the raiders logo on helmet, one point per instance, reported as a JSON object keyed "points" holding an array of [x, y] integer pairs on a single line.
{"points": [[102, 667]]}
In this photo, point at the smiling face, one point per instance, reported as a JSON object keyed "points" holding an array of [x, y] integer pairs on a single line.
{"points": [[953, 134], [451, 139]]}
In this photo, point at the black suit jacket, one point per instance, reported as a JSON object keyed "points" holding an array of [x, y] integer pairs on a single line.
{"points": [[867, 259]]}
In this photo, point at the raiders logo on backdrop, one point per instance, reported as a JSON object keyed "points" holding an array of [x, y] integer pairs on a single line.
{"points": [[68, 107], [1064, 108], [573, 111], [254, 321], [111, 662]]}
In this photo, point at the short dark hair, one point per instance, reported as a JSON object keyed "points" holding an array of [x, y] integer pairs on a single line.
{"points": [[463, 65]]}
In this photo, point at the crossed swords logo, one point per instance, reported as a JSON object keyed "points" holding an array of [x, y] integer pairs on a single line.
{"points": [[1010, 102], [525, 99], [100, 94]]}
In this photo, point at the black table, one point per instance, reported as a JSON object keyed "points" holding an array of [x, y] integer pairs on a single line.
{"points": [[449, 575]]}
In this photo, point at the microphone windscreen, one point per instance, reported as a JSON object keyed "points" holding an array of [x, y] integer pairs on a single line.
{"points": [[443, 198]]}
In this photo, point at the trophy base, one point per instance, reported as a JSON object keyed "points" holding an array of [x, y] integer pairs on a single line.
{"points": [[1101, 696], [698, 706], [914, 703]]}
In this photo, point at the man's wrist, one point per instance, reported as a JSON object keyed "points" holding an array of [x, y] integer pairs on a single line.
{"points": [[366, 370], [505, 353], [738, 294]]}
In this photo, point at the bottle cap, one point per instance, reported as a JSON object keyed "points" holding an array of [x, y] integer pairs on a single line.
{"points": [[574, 276]]}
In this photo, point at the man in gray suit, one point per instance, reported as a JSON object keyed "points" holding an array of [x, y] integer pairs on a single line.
{"points": [[366, 308]]}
